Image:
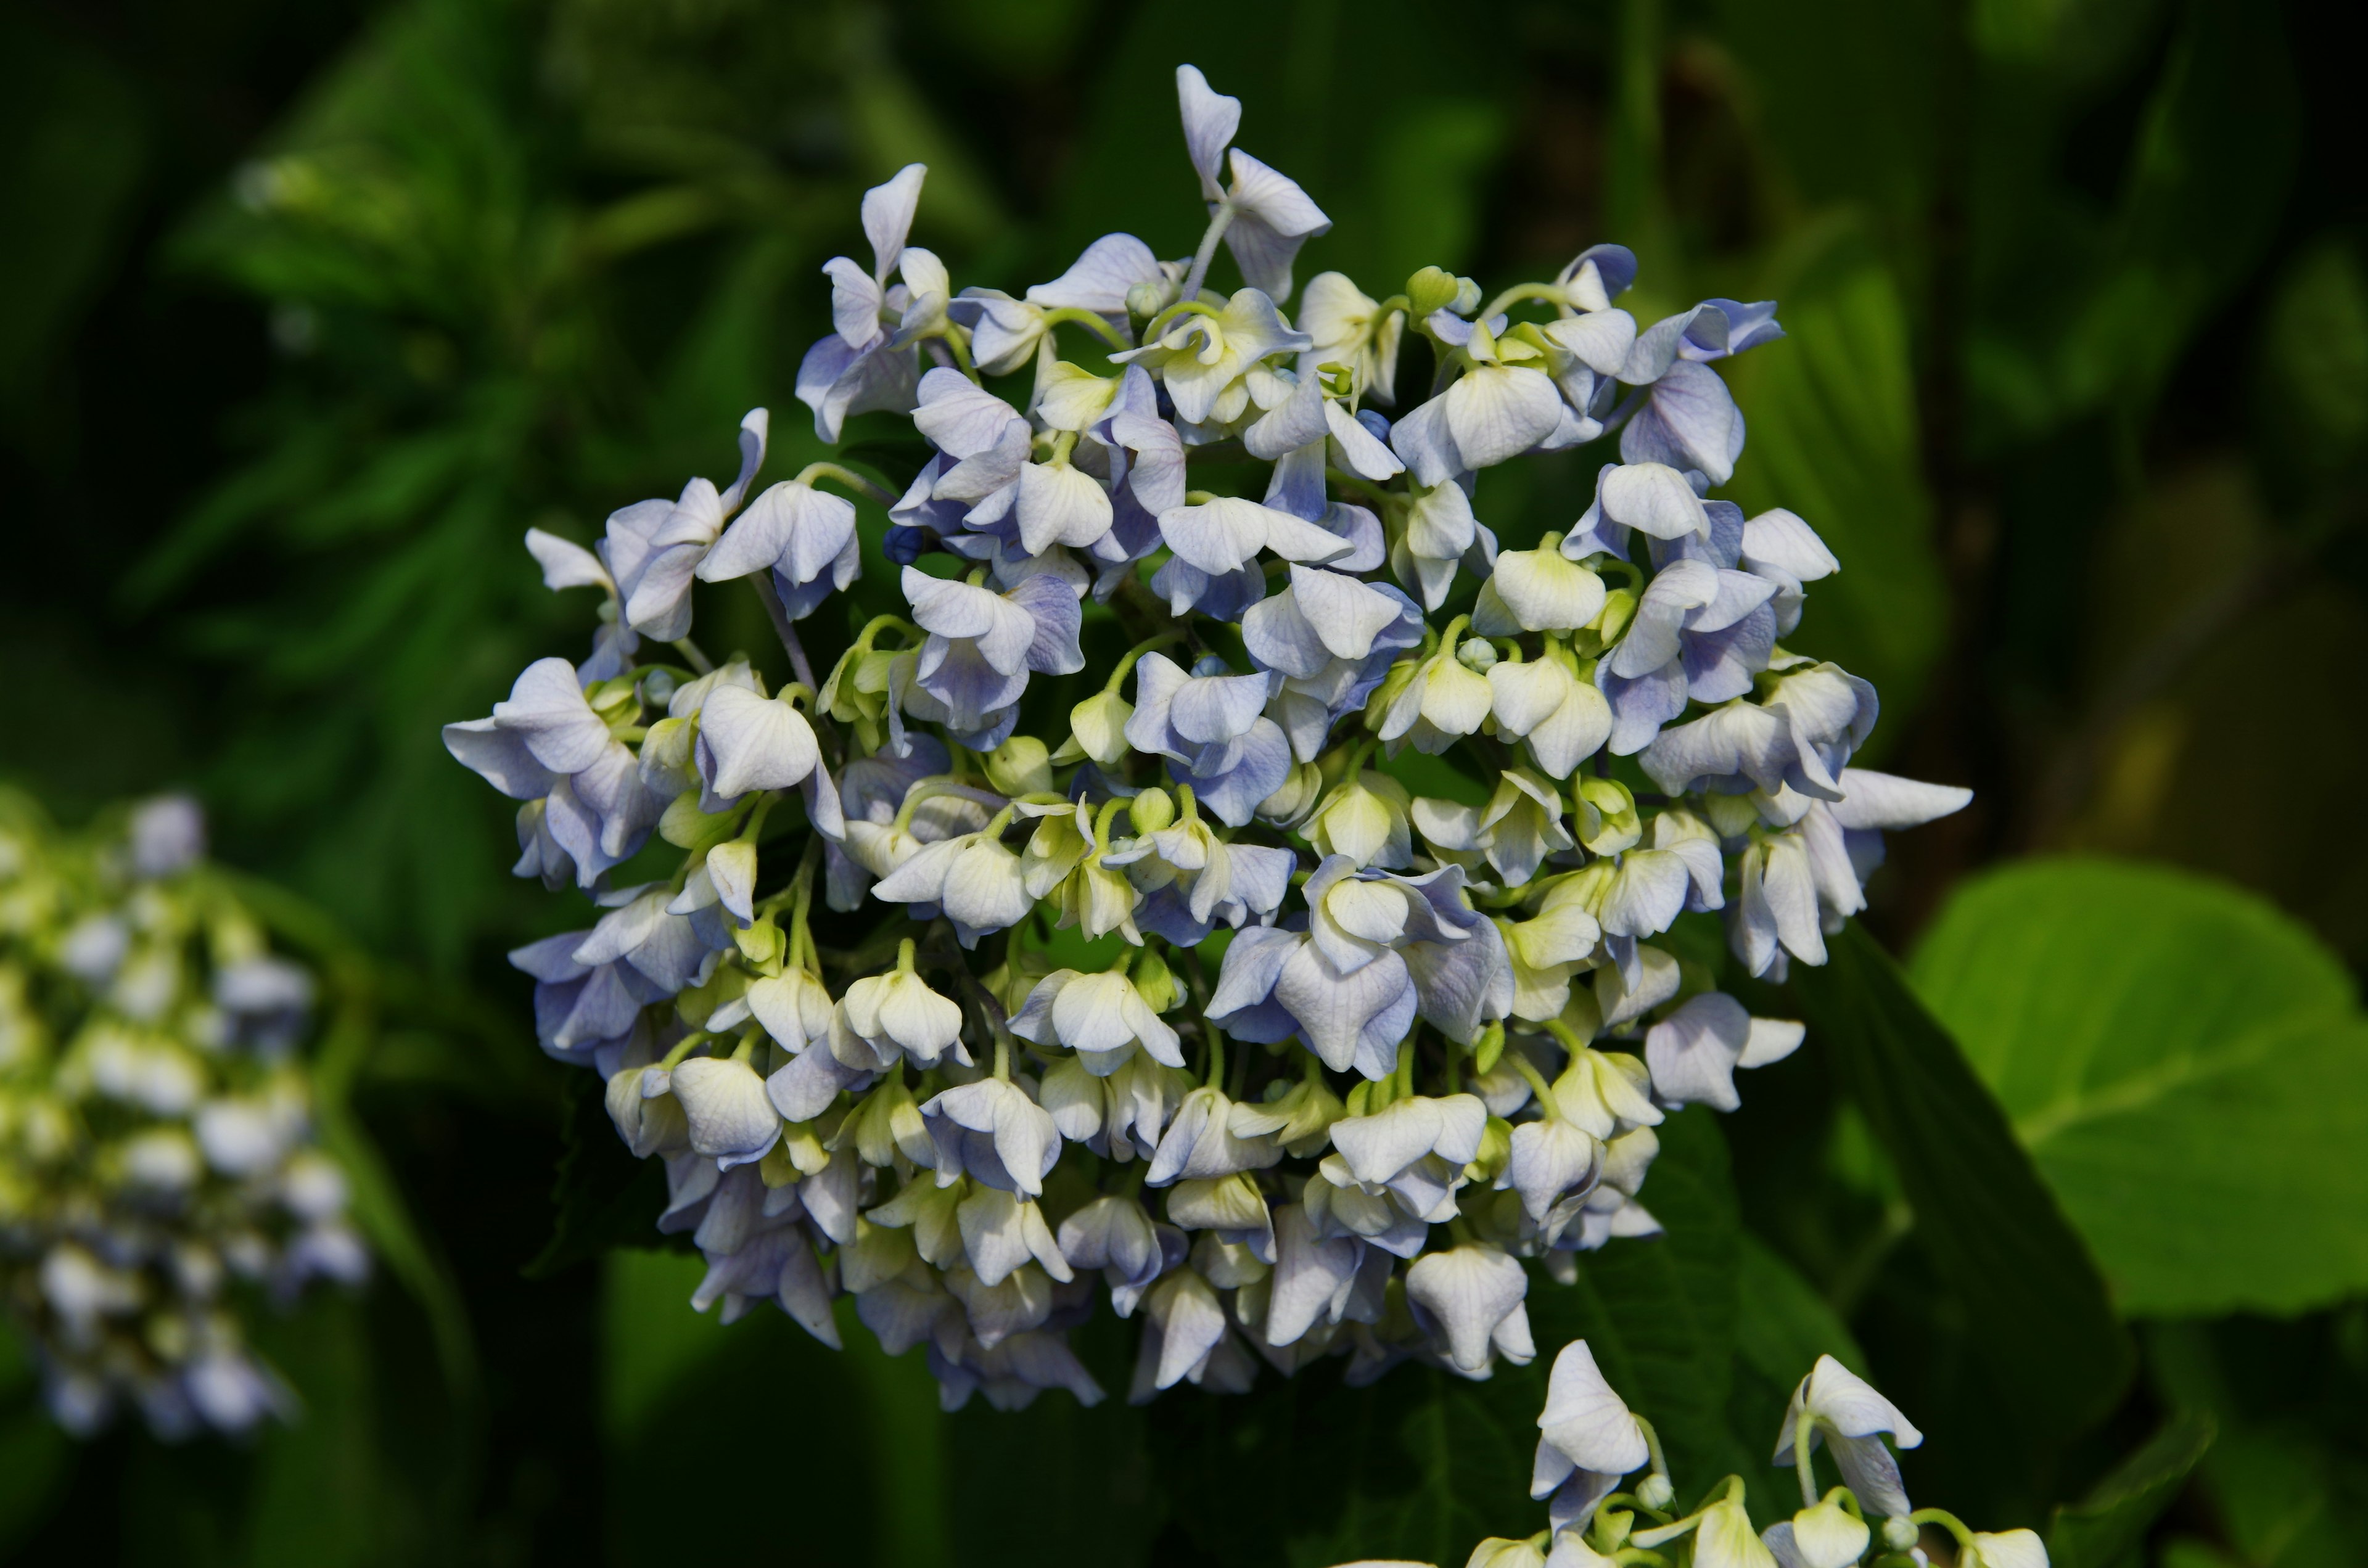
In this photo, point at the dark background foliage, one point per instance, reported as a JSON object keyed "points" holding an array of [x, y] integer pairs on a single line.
{"points": [[307, 311]]}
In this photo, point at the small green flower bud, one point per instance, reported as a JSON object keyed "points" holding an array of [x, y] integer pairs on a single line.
{"points": [[1898, 1534], [1020, 766], [1154, 981], [1606, 816], [1476, 654], [1431, 289], [1152, 810], [1655, 1492], [1098, 729], [1619, 608]]}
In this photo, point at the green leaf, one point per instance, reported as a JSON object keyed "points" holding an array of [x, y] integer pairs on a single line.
{"points": [[2104, 1529], [1786, 1324], [2037, 1308], [603, 1197], [2185, 1065], [1832, 415]]}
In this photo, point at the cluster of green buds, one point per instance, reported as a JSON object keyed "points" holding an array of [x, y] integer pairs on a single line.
{"points": [[158, 1173]]}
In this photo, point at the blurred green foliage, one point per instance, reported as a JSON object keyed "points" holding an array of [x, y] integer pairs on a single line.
{"points": [[309, 311]]}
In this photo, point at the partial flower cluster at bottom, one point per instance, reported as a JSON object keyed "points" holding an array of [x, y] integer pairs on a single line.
{"points": [[157, 1164], [1589, 1443]]}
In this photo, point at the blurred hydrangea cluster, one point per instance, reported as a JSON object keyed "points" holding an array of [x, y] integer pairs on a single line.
{"points": [[1589, 1442], [1360, 1051], [157, 1160]]}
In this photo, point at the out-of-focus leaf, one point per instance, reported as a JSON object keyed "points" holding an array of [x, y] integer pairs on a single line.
{"points": [[1785, 1325], [603, 1197], [35, 1454], [2280, 1493], [1833, 438], [2185, 1065], [74, 161], [2199, 200], [2038, 1310], [822, 1463], [2313, 368], [2104, 1530]]}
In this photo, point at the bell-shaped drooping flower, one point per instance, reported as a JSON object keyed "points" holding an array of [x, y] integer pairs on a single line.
{"points": [[1102, 1017], [1780, 547], [1824, 1535], [1351, 329], [1210, 361], [1688, 419], [794, 1008], [860, 366], [1469, 1299], [1331, 638], [722, 1099], [804, 536], [1396, 1172], [1267, 216], [1836, 1406], [1800, 737], [1551, 1162], [993, 1132], [1439, 701], [1114, 1233], [546, 731], [1349, 1016], [651, 547], [664, 948], [1210, 722], [982, 645], [2005, 1549], [978, 884], [1543, 702], [749, 742], [1002, 1232], [1698, 632], [1201, 1143], [1367, 818], [1695, 1051], [1005, 332], [1192, 879], [1186, 1339], [1522, 825], [1586, 1440], [897, 1012], [1226, 533], [1438, 534], [1494, 411], [1537, 590]]}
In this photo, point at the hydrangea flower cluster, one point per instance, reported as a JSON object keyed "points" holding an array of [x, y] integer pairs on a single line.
{"points": [[157, 1160], [1361, 1050], [1589, 1442]]}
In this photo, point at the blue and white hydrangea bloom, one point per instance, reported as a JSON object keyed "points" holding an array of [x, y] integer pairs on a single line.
{"points": [[157, 1158], [1609, 1498], [1364, 1050]]}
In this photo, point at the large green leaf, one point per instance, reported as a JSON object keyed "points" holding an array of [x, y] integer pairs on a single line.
{"points": [[1832, 414], [2037, 1309], [2104, 1529], [2185, 1065]]}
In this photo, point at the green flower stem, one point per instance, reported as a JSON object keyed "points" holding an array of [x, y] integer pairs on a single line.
{"points": [[852, 480], [1072, 314], [1219, 221]]}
